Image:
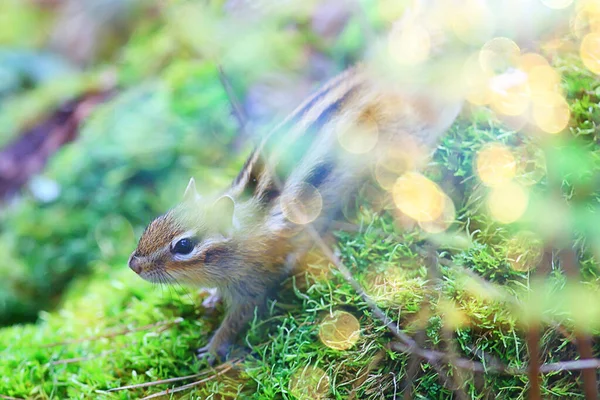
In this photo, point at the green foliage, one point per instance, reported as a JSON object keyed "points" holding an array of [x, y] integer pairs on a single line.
{"points": [[130, 158], [100, 327]]}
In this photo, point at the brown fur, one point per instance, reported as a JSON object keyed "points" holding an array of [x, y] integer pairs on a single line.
{"points": [[246, 250]]}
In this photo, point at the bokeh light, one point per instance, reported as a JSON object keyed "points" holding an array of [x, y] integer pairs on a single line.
{"points": [[315, 264], [528, 61], [590, 52], [453, 316], [510, 93], [303, 205], [531, 164], [551, 112], [498, 55], [339, 330], [418, 197], [591, 10], [390, 10], [358, 137], [476, 81], [309, 383], [557, 4], [524, 251], [409, 44], [543, 79], [443, 221], [390, 166], [472, 22], [387, 286], [495, 164], [507, 202]]}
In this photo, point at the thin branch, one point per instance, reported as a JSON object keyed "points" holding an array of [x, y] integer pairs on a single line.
{"points": [[492, 363], [377, 312], [237, 109], [178, 379], [575, 365], [188, 386], [533, 345], [434, 356], [568, 261], [590, 384]]}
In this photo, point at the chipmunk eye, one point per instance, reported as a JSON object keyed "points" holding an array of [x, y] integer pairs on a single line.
{"points": [[184, 246]]}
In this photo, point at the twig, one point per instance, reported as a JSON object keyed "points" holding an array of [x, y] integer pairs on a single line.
{"points": [[436, 275], [237, 110], [575, 365], [171, 380], [434, 356], [533, 344], [162, 324], [411, 371], [492, 363], [378, 312], [568, 261], [188, 386], [590, 384]]}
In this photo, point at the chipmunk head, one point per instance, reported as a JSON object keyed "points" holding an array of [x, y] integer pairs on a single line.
{"points": [[188, 243]]}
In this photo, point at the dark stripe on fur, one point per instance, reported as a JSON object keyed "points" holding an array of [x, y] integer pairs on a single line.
{"points": [[319, 174]]}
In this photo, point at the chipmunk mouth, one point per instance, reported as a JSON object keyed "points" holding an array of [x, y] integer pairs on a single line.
{"points": [[156, 276], [153, 274]]}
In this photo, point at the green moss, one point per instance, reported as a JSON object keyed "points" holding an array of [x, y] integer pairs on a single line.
{"points": [[89, 325]]}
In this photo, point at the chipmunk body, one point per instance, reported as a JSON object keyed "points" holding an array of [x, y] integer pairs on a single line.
{"points": [[244, 242]]}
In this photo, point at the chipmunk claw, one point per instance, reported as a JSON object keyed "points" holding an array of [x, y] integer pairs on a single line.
{"points": [[204, 354], [214, 354]]}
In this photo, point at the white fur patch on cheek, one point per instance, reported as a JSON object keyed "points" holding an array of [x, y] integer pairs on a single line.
{"points": [[186, 257]]}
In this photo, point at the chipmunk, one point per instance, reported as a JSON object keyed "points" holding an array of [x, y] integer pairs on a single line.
{"points": [[245, 241]]}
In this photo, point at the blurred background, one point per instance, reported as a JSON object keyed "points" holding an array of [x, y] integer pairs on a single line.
{"points": [[107, 107]]}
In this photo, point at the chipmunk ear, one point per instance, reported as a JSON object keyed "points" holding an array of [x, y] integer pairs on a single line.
{"points": [[191, 193], [223, 213]]}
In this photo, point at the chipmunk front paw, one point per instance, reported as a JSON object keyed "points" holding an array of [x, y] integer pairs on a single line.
{"points": [[213, 353], [203, 353]]}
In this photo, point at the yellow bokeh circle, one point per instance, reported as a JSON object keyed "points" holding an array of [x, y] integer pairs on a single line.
{"points": [[358, 137], [443, 221], [590, 52], [339, 330], [418, 197], [511, 100], [498, 55], [557, 4], [302, 205], [507, 202], [390, 165], [542, 79], [409, 44], [472, 23], [495, 164], [531, 164], [477, 81], [309, 383], [551, 112]]}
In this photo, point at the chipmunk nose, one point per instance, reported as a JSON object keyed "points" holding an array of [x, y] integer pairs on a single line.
{"points": [[135, 264]]}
